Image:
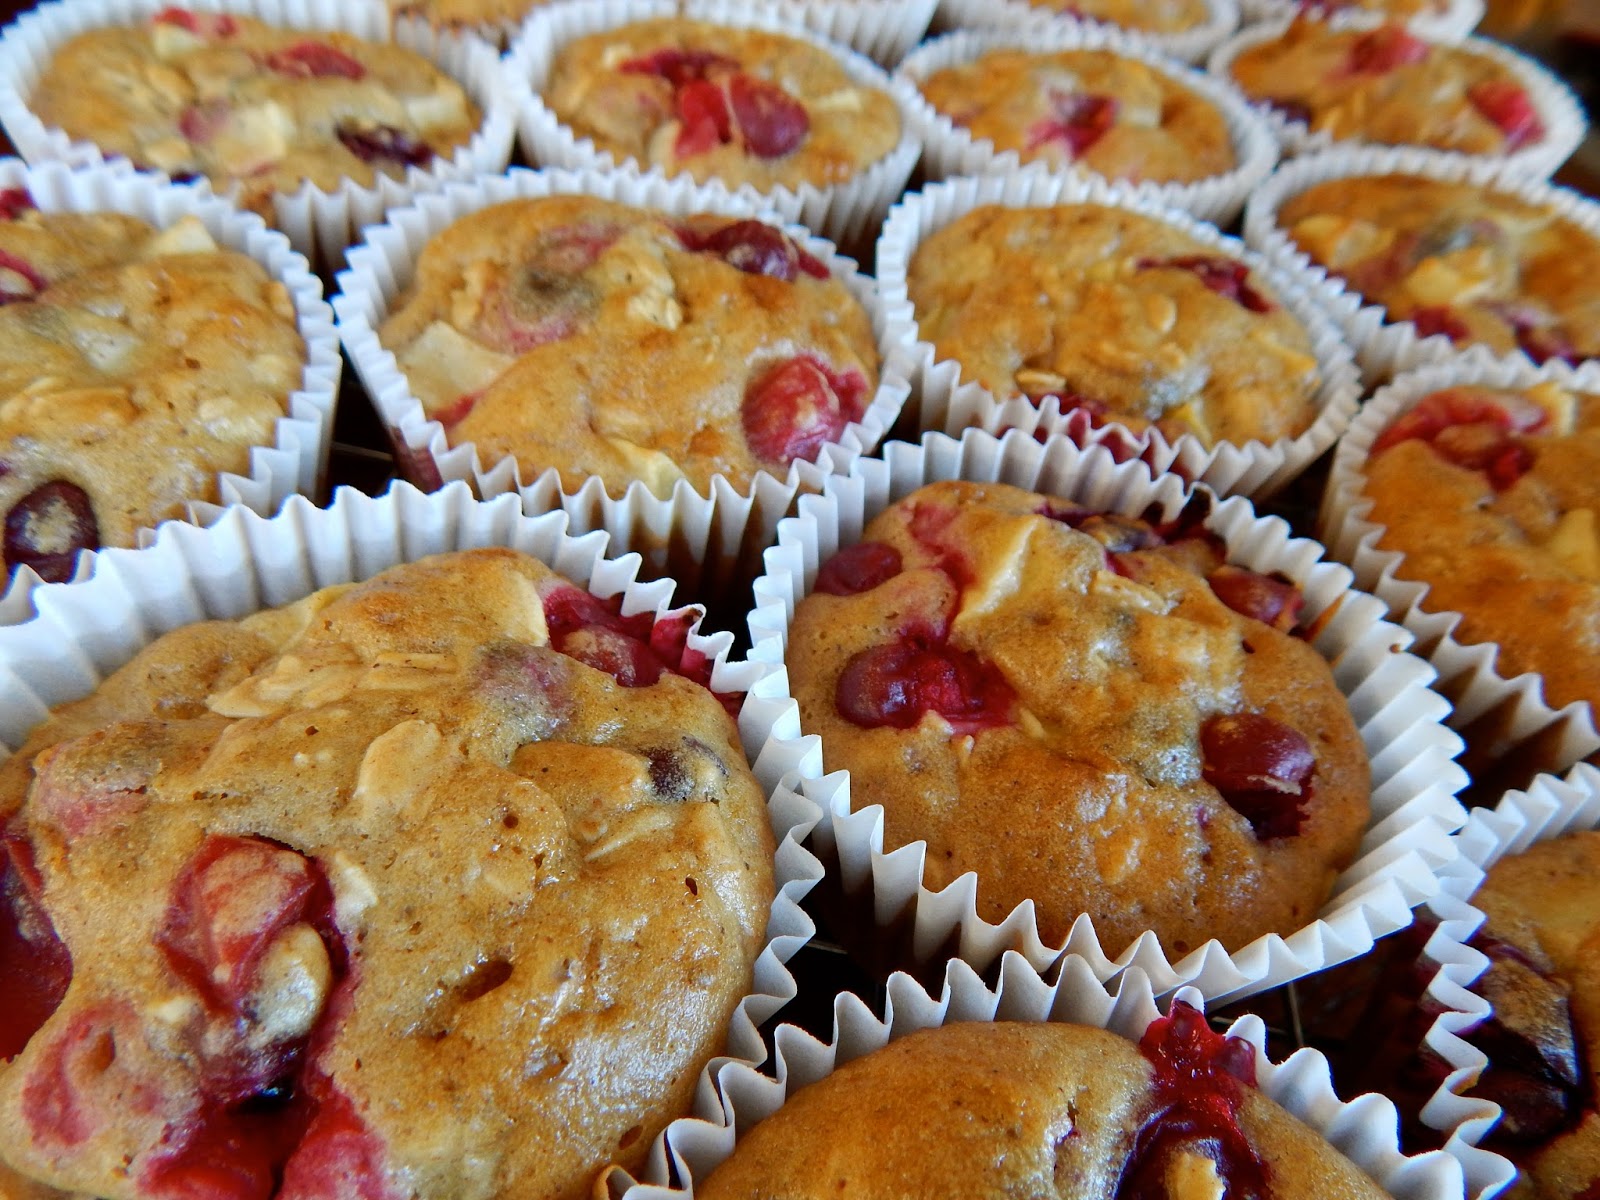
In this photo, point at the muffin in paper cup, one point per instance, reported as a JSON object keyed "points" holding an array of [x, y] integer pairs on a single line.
{"points": [[320, 224], [1511, 731], [885, 897], [296, 462], [1189, 45], [702, 538], [844, 212], [1449, 21], [1559, 110], [1386, 348], [942, 400], [244, 563], [949, 149], [1362, 1129]]}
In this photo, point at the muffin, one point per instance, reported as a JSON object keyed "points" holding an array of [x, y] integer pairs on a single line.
{"points": [[1108, 113], [253, 106], [1145, 16], [1387, 85], [1116, 313], [738, 105], [613, 342], [1491, 495], [1049, 1109], [1480, 266], [357, 896], [136, 364], [1091, 713]]}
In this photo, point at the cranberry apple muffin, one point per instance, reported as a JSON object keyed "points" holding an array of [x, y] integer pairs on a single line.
{"points": [[1114, 115], [444, 884], [740, 105], [609, 341], [1389, 86], [1492, 495], [244, 103], [1480, 266], [1119, 314], [1090, 712], [135, 365], [1005, 1109]]}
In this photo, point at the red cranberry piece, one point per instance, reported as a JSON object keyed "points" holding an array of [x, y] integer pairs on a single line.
{"points": [[20, 281], [678, 67], [339, 1157], [385, 143], [1384, 50], [1224, 276], [631, 663], [568, 608], [225, 1157], [1543, 344], [1470, 431], [772, 121], [704, 117], [456, 411], [46, 529], [1270, 599], [1077, 122], [1263, 769], [544, 299], [798, 406], [14, 202], [1438, 318], [755, 248], [857, 569], [35, 967], [315, 60], [202, 122], [86, 1075], [1508, 107], [206, 25], [1068, 514], [1292, 110], [893, 685]]}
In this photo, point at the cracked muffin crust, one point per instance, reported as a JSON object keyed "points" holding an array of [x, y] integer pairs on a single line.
{"points": [[1117, 313], [246, 103], [1389, 86], [1479, 266], [1092, 713], [135, 365], [1042, 1110], [1492, 495], [1113, 115], [740, 105], [610, 341], [444, 884]]}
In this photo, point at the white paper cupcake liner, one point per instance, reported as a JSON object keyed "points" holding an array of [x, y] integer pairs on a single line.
{"points": [[844, 212], [949, 149], [1385, 348], [883, 30], [1559, 110], [1456, 21], [297, 460], [320, 224], [1506, 718], [244, 563], [942, 400], [1363, 1129], [1188, 45], [724, 529], [1414, 779]]}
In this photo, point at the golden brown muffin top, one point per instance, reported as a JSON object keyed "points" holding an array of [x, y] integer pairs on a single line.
{"points": [[741, 105], [987, 659], [609, 341], [1147, 16], [1119, 313], [1492, 495], [1389, 86], [1479, 265], [1110, 114], [441, 884], [135, 365], [238, 101]]}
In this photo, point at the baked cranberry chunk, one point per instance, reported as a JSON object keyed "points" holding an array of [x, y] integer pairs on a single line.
{"points": [[1077, 122], [1436, 319], [857, 569], [47, 528], [1270, 599], [800, 405], [206, 25], [679, 67], [35, 967], [14, 202], [384, 143], [755, 248], [315, 60], [1385, 49], [1226, 277], [1470, 431], [893, 685], [1509, 107], [772, 122], [1263, 769]]}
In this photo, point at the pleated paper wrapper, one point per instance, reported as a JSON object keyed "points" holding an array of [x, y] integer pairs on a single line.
{"points": [[1189, 45], [1451, 22]]}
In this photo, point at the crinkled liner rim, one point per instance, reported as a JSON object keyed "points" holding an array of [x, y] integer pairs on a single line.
{"points": [[245, 562], [1189, 45], [943, 400], [844, 211], [1465, 668], [1363, 1129], [1459, 19], [949, 149], [383, 265], [1549, 808], [1414, 776], [1563, 117], [297, 459], [883, 30], [1384, 347], [319, 223]]}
